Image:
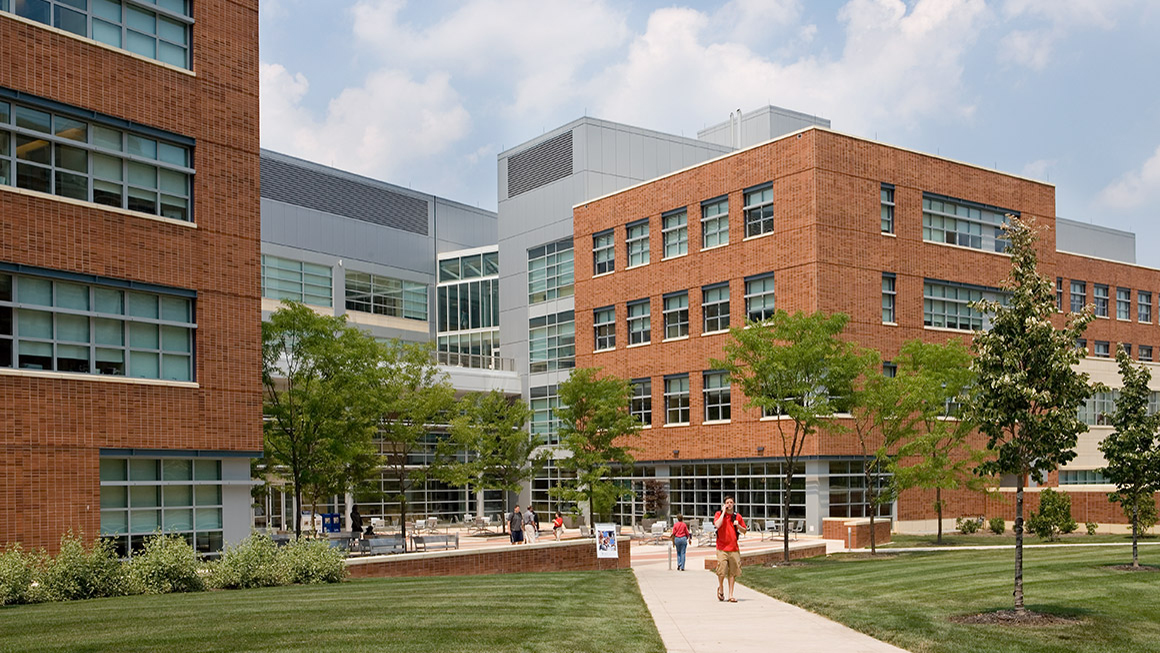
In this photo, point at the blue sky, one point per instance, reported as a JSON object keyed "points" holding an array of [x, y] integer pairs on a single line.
{"points": [[425, 94]]}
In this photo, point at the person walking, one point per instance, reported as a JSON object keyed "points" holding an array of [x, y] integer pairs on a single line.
{"points": [[355, 523], [558, 525], [531, 526], [729, 525], [680, 539], [516, 525]]}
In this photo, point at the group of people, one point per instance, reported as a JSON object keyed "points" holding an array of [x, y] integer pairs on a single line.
{"points": [[729, 525], [525, 527]]}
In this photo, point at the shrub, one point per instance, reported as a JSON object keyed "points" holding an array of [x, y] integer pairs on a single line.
{"points": [[80, 573], [252, 563], [1091, 527], [997, 525], [17, 570], [1054, 516], [168, 564], [312, 562], [1147, 508], [967, 525]]}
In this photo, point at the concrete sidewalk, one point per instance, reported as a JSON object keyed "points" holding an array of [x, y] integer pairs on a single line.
{"points": [[690, 619]]}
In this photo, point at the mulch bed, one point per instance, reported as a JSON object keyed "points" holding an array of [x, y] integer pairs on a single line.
{"points": [[1009, 618], [1131, 568]]}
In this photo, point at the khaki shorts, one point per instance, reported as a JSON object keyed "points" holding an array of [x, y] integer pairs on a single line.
{"points": [[728, 564]]}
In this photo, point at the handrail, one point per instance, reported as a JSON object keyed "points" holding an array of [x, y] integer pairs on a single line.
{"points": [[474, 361]]}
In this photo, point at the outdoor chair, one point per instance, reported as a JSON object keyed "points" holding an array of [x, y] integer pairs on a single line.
{"points": [[797, 526], [772, 529], [638, 531], [658, 533], [708, 533]]}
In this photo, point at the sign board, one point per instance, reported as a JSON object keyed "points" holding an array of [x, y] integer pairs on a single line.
{"points": [[606, 541]]}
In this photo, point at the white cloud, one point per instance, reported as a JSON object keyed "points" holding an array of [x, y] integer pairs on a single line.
{"points": [[758, 24], [380, 128], [1034, 47], [1039, 169], [1135, 188]]}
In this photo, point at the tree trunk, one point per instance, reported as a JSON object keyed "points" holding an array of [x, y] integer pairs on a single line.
{"points": [[938, 512], [1135, 533], [403, 518], [297, 508], [785, 512], [872, 506], [1019, 609]]}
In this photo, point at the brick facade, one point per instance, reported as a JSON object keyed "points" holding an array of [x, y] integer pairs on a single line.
{"points": [[52, 429], [547, 556]]}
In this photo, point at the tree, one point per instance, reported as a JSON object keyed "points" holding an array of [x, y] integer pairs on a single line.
{"points": [[595, 427], [413, 397], [317, 378], [797, 368], [1053, 516], [1028, 391], [937, 379], [489, 448], [1132, 451]]}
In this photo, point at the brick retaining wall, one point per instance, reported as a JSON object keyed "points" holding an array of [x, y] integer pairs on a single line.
{"points": [[575, 555], [855, 532], [763, 556]]}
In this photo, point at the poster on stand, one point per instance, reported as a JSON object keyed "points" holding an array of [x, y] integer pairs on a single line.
{"points": [[606, 541]]}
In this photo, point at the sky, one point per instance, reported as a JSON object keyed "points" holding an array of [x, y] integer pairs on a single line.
{"points": [[425, 94]]}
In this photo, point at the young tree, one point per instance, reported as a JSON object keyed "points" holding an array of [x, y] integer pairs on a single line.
{"points": [[1028, 391], [937, 378], [1132, 451], [798, 368], [412, 395], [489, 448], [317, 378], [595, 427]]}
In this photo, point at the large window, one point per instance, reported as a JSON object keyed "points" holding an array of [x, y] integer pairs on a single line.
{"points": [[675, 233], [957, 222], [637, 243], [371, 293], [1144, 306], [461, 305], [640, 405], [603, 253], [848, 491], [1146, 353], [887, 199], [82, 159], [888, 295], [1081, 477], [715, 391], [470, 266], [676, 315], [157, 29], [639, 322], [759, 211], [677, 399], [1123, 303], [141, 496], [604, 325], [1078, 294], [715, 307], [1103, 349], [946, 305], [1097, 409], [67, 326], [715, 223], [552, 342], [550, 274], [1100, 299], [759, 298], [544, 400], [284, 278]]}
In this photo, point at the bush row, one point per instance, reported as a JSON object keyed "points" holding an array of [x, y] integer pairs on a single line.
{"points": [[167, 564]]}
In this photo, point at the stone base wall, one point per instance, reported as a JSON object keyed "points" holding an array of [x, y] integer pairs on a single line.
{"points": [[578, 555], [763, 556], [855, 532]]}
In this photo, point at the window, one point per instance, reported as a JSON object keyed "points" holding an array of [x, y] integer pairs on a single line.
{"points": [[676, 315], [716, 395], [552, 342], [1101, 299], [947, 305], [715, 307], [284, 278], [759, 211], [887, 193], [545, 424], [1103, 349], [550, 273], [1081, 345], [84, 159], [462, 305], [962, 223], [675, 233], [1144, 306], [1146, 353], [140, 496], [1127, 348], [639, 323], [1081, 477], [1123, 303], [677, 399], [1097, 409], [157, 29], [371, 293], [637, 243], [848, 495], [715, 223], [640, 406], [1059, 294], [888, 295], [889, 369], [1078, 296], [604, 323], [759, 298], [469, 267], [603, 253], [109, 328]]}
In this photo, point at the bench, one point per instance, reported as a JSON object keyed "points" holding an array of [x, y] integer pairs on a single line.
{"points": [[428, 542], [381, 545]]}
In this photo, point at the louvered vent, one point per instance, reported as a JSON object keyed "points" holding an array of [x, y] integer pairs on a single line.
{"points": [[340, 195], [540, 165]]}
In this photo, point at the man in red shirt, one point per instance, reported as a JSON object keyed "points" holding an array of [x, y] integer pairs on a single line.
{"points": [[729, 525]]}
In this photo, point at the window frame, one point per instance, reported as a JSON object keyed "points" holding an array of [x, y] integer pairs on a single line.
{"points": [[1101, 303], [635, 318], [886, 199], [1103, 345], [718, 307], [557, 333], [758, 210], [604, 330], [637, 244], [715, 394], [677, 232], [984, 223], [889, 297], [380, 292], [1077, 289], [1145, 353], [766, 311], [675, 315], [640, 401], [309, 276], [1144, 306], [677, 400], [715, 225], [1123, 303], [603, 252], [559, 260]]}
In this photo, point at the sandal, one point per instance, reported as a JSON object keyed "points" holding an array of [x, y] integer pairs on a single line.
{"points": [[732, 600], [720, 594]]}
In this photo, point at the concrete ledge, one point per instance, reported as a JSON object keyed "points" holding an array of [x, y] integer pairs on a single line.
{"points": [[855, 531], [568, 555], [797, 551]]}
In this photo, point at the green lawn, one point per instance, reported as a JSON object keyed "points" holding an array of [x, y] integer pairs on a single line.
{"points": [[568, 611], [990, 539], [908, 598]]}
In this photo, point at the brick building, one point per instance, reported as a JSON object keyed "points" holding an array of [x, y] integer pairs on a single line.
{"points": [[820, 221], [129, 269]]}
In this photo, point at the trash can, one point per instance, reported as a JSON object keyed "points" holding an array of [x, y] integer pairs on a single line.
{"points": [[330, 522]]}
